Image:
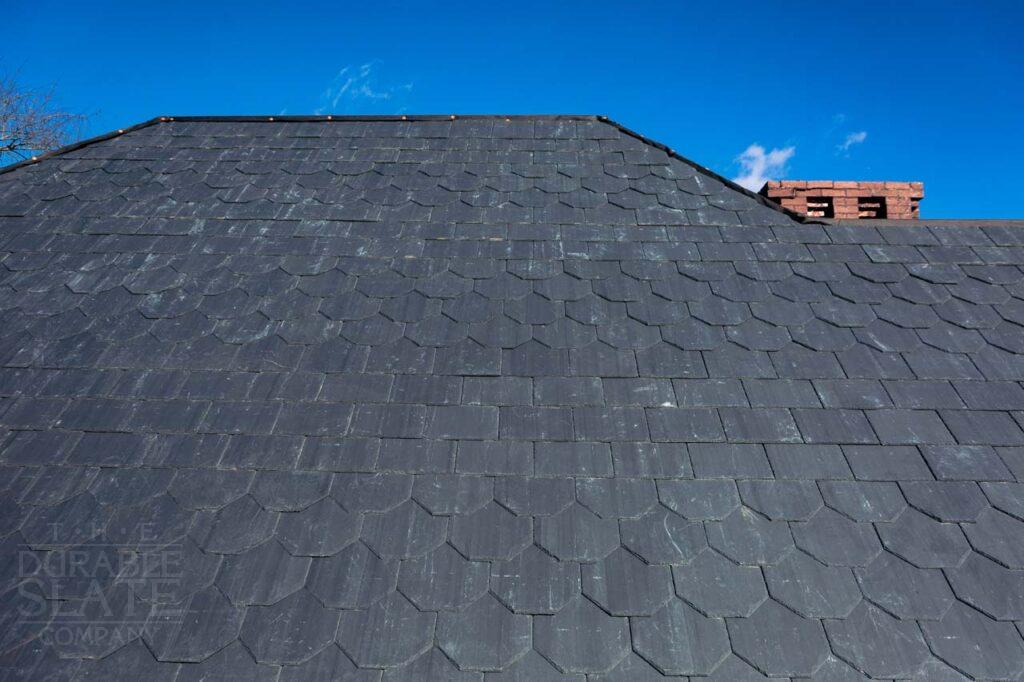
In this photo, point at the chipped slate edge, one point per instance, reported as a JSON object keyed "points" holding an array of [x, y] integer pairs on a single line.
{"points": [[329, 118]]}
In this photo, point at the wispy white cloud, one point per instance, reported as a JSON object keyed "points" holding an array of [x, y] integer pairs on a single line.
{"points": [[851, 140], [758, 166], [358, 85]]}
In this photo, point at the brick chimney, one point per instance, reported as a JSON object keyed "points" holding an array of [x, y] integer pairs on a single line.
{"points": [[847, 200]]}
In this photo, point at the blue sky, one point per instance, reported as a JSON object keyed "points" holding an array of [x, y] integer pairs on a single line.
{"points": [[911, 90]]}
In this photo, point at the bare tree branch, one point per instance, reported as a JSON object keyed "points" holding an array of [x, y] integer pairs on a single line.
{"points": [[31, 123]]}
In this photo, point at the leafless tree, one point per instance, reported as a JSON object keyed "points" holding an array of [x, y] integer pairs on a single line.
{"points": [[31, 122]]}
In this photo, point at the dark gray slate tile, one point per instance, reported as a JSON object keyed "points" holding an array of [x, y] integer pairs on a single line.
{"points": [[887, 463], [749, 538], [992, 589], [290, 631], [452, 494], [536, 423], [415, 456], [834, 426], [209, 488], [495, 457], [759, 425], [491, 532], [321, 529], [616, 497], [330, 664], [797, 461], [875, 642], [700, 499], [998, 536], [904, 591], [610, 424], [530, 667], [484, 636], [623, 585], [836, 540], [812, 589], [729, 461], [923, 541], [679, 640], [459, 421], [194, 629], [530, 496], [443, 580], [534, 582], [433, 665], [865, 501], [678, 425], [949, 501], [577, 534], [354, 578], [371, 492], [290, 490], [573, 459], [404, 532], [133, 661], [581, 638], [781, 500], [1006, 497], [972, 642], [233, 663], [392, 632], [778, 641], [661, 537], [719, 587], [262, 575], [236, 527]]}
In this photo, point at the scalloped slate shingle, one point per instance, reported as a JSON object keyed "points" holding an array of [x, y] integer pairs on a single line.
{"points": [[483, 398]]}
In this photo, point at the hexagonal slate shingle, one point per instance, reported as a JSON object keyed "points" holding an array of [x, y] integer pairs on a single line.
{"points": [[905, 591], [354, 578], [535, 582], [748, 538], [194, 629], [617, 497], [701, 499], [390, 633], [875, 642], [662, 537], [290, 631], [262, 575], [623, 585], [992, 589], [577, 534], [492, 532], [779, 642], [999, 536], [322, 529], [405, 531], [678, 640], [812, 589], [923, 541], [718, 587], [443, 579], [976, 644], [836, 540], [484, 635], [581, 638]]}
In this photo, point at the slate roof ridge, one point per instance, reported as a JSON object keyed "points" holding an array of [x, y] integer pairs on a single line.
{"points": [[331, 118]]}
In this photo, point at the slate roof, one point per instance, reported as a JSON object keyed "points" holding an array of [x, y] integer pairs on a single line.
{"points": [[493, 399]]}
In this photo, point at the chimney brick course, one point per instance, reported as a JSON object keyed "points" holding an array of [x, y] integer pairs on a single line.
{"points": [[848, 200]]}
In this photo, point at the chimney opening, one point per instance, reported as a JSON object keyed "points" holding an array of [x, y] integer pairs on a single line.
{"points": [[872, 208], [820, 207]]}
